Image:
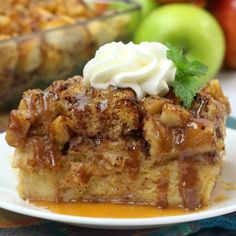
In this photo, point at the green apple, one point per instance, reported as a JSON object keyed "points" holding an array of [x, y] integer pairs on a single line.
{"points": [[189, 28], [146, 7], [137, 17]]}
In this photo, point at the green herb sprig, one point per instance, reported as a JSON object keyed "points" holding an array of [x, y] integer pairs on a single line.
{"points": [[187, 82]]}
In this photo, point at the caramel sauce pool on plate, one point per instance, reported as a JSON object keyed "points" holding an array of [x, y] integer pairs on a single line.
{"points": [[112, 210], [107, 210]]}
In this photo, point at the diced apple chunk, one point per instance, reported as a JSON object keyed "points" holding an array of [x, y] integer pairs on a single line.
{"points": [[59, 128], [154, 105], [173, 115]]}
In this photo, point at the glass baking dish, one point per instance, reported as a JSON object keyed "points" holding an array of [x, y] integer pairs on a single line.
{"points": [[36, 59]]}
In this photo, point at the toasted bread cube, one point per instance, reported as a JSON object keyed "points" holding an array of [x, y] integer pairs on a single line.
{"points": [[9, 57], [29, 54], [18, 126], [198, 135], [213, 88]]}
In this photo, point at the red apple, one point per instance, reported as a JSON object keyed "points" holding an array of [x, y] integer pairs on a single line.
{"points": [[225, 12]]}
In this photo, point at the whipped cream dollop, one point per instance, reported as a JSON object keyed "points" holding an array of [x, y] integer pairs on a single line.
{"points": [[142, 67]]}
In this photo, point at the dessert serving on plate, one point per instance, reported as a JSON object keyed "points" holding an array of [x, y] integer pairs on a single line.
{"points": [[132, 131]]}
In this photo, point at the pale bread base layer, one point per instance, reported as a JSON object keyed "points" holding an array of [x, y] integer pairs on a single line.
{"points": [[145, 187]]}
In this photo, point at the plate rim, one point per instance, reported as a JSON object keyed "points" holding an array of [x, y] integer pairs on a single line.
{"points": [[118, 222]]}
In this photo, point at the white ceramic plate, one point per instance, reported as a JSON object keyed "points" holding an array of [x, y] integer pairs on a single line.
{"points": [[10, 200]]}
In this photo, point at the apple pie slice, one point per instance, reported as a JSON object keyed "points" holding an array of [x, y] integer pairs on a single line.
{"points": [[77, 143]]}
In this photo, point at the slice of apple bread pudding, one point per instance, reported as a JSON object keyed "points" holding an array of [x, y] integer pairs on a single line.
{"points": [[77, 143]]}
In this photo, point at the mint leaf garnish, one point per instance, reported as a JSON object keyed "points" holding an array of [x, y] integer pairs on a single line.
{"points": [[186, 83], [186, 90]]}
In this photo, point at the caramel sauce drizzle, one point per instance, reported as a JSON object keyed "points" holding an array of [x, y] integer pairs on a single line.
{"points": [[45, 152], [133, 163], [162, 190], [188, 185]]}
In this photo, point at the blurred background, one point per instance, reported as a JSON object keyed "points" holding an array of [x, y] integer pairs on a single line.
{"points": [[45, 40]]}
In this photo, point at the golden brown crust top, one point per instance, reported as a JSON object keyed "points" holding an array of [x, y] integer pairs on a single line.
{"points": [[64, 116]]}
